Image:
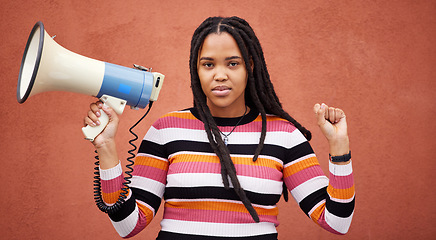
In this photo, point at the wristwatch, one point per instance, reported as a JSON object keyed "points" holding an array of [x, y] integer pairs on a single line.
{"points": [[343, 158]]}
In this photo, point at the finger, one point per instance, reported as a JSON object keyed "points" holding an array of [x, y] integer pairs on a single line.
{"points": [[332, 114], [339, 113], [108, 110], [95, 107], [320, 112], [326, 111], [316, 108], [88, 121], [92, 118]]}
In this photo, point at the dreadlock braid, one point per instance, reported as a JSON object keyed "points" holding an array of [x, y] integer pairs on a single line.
{"points": [[213, 133], [259, 94]]}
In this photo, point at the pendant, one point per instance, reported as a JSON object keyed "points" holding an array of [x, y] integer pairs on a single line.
{"points": [[226, 139]]}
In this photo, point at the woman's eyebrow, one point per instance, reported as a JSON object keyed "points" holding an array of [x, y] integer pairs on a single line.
{"points": [[233, 57], [206, 58], [227, 58]]}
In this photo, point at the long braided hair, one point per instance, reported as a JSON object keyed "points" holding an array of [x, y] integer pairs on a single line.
{"points": [[259, 94]]}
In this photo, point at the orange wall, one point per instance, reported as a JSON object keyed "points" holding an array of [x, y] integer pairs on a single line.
{"points": [[375, 59]]}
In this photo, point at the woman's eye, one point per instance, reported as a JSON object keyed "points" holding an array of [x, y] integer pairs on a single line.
{"points": [[233, 64], [208, 65]]}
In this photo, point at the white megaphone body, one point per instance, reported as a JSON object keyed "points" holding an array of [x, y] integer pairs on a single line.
{"points": [[47, 66]]}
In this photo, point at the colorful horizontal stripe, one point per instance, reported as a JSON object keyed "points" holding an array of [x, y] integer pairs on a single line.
{"points": [[176, 163]]}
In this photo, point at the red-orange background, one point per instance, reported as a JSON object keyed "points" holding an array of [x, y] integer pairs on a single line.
{"points": [[374, 59]]}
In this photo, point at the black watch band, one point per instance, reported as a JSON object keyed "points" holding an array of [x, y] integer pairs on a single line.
{"points": [[343, 158]]}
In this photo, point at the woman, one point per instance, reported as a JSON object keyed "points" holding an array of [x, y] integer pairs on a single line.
{"points": [[220, 166]]}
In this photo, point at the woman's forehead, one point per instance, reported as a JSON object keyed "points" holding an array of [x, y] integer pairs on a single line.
{"points": [[219, 44]]}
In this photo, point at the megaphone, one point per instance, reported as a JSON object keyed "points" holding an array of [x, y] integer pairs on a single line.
{"points": [[47, 66]]}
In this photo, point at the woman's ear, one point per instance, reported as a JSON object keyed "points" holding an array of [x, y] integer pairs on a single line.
{"points": [[251, 64]]}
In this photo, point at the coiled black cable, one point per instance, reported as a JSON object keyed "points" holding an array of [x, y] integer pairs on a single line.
{"points": [[123, 195]]}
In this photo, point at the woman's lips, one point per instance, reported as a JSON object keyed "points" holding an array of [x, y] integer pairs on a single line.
{"points": [[221, 91]]}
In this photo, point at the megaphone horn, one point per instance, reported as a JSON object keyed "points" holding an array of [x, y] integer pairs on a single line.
{"points": [[47, 66]]}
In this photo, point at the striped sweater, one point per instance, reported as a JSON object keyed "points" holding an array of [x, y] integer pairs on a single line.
{"points": [[176, 162]]}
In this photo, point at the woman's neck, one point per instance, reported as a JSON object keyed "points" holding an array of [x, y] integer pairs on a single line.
{"points": [[229, 113]]}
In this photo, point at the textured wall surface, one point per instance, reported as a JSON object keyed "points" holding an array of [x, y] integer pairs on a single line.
{"points": [[374, 59]]}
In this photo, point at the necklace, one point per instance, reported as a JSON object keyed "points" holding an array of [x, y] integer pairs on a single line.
{"points": [[226, 136]]}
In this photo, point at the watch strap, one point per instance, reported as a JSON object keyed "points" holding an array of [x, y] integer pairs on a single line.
{"points": [[343, 158]]}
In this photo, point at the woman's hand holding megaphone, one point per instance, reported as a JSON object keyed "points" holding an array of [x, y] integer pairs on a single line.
{"points": [[104, 143]]}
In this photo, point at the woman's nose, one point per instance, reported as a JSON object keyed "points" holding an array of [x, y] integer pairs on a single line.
{"points": [[220, 74]]}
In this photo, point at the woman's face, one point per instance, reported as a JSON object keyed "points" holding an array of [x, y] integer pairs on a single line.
{"points": [[223, 76]]}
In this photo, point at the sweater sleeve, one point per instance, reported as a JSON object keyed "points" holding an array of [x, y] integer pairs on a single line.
{"points": [[145, 190], [328, 201]]}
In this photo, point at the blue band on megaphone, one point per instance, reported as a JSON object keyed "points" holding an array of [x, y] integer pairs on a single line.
{"points": [[130, 84]]}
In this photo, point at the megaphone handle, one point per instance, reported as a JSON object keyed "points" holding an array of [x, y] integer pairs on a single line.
{"points": [[91, 132], [116, 104]]}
